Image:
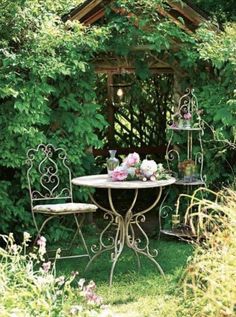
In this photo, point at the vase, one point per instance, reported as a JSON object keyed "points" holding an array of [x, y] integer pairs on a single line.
{"points": [[188, 174], [112, 162], [181, 123], [184, 124]]}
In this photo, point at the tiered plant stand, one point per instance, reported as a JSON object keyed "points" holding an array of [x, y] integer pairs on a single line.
{"points": [[184, 156]]}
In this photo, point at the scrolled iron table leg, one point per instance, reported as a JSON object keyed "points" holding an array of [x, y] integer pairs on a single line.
{"points": [[125, 233], [132, 242]]}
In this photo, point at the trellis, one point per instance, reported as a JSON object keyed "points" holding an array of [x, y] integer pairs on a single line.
{"points": [[142, 123]]}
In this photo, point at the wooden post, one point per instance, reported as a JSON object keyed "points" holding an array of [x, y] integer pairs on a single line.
{"points": [[110, 112]]}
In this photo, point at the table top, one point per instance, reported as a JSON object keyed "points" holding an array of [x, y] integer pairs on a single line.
{"points": [[103, 181]]}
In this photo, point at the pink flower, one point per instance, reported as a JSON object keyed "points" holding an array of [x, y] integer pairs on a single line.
{"points": [[132, 159], [91, 297], [91, 285], [41, 242], [88, 292], [187, 116], [174, 125], [120, 173]]}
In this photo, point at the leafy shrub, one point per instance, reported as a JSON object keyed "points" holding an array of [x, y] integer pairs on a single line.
{"points": [[46, 96], [29, 285]]}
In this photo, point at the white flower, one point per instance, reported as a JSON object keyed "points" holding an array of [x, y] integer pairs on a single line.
{"points": [[60, 280], [76, 309], [148, 167], [160, 168], [81, 283], [26, 236]]}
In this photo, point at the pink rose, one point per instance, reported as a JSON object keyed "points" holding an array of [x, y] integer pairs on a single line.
{"points": [[132, 159], [187, 116], [120, 173]]}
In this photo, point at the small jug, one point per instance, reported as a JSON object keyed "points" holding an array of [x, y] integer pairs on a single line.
{"points": [[112, 162]]}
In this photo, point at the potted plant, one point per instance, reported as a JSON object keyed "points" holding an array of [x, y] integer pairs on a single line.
{"points": [[187, 170]]}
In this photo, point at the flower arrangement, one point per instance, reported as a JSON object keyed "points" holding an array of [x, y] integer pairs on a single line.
{"points": [[133, 168], [183, 117]]}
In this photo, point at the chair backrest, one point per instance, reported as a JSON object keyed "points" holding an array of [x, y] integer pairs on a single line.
{"points": [[49, 177]]}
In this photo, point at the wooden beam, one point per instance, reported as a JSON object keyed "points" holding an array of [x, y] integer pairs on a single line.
{"points": [[110, 111], [188, 12], [158, 150], [155, 69], [90, 6], [93, 18], [182, 26]]}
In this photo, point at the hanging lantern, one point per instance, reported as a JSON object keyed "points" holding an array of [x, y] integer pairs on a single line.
{"points": [[120, 91]]}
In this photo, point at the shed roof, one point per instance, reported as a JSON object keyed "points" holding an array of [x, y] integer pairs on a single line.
{"points": [[91, 11]]}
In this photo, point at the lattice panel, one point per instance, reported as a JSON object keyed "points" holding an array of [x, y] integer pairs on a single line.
{"points": [[143, 121]]}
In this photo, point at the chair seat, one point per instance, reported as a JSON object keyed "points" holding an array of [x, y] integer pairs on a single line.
{"points": [[65, 208]]}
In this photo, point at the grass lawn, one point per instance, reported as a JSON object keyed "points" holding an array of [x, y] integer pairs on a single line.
{"points": [[136, 293]]}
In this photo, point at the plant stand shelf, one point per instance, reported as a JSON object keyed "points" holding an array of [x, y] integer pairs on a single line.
{"points": [[179, 233], [194, 183]]}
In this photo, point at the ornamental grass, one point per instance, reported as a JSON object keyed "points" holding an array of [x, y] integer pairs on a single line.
{"points": [[209, 282]]}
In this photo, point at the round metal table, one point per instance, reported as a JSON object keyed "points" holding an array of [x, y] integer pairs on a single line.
{"points": [[125, 233]]}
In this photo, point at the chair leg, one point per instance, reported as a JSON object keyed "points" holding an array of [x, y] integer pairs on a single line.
{"points": [[41, 228], [79, 224], [78, 232]]}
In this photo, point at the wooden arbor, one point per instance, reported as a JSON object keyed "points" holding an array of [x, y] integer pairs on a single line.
{"points": [[135, 128]]}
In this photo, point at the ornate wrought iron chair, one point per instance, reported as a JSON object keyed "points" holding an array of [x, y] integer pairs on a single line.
{"points": [[50, 188]]}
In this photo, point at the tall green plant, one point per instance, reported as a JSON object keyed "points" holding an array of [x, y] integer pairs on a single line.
{"points": [[46, 95]]}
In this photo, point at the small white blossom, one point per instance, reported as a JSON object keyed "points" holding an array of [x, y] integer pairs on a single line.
{"points": [[81, 283], [148, 168], [76, 309], [26, 236]]}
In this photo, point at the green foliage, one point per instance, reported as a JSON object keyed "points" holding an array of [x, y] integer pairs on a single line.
{"points": [[222, 10], [217, 98]]}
